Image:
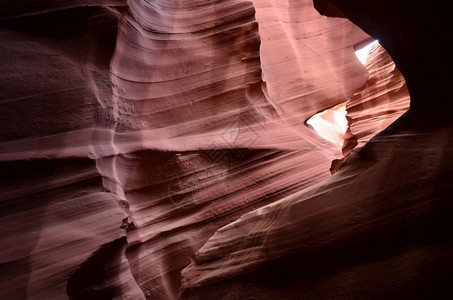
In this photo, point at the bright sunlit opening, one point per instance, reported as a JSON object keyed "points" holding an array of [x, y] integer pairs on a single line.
{"points": [[331, 124], [363, 53]]}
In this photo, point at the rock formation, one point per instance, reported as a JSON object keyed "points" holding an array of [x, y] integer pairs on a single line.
{"points": [[382, 99], [376, 229], [158, 149]]}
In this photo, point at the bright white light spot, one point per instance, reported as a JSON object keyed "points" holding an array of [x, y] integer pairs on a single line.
{"points": [[331, 124], [363, 53]]}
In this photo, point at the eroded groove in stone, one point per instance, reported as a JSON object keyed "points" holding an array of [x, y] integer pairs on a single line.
{"points": [[179, 125]]}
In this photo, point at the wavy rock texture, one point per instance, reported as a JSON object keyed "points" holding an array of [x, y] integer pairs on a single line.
{"points": [[327, 242], [55, 213], [131, 132], [150, 124], [214, 138], [9, 9], [377, 228], [382, 100]]}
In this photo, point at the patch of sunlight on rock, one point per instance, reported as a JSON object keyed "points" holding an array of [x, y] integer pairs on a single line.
{"points": [[331, 124]]}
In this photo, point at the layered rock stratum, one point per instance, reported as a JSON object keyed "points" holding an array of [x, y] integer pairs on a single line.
{"points": [[159, 150]]}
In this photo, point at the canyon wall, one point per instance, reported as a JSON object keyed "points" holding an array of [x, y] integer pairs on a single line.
{"points": [[378, 227], [158, 149]]}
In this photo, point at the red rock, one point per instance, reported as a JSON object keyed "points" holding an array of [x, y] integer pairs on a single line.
{"points": [[374, 229], [142, 139], [215, 105], [382, 100]]}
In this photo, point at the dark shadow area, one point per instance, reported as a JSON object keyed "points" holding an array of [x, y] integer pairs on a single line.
{"points": [[415, 35], [93, 279], [27, 189]]}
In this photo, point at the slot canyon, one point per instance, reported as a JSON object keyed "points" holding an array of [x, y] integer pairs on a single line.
{"points": [[236, 149]]}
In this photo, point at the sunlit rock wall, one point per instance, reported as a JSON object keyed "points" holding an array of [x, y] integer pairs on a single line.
{"points": [[378, 227], [132, 131], [382, 100]]}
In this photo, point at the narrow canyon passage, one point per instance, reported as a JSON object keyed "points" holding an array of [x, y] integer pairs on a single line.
{"points": [[167, 150]]}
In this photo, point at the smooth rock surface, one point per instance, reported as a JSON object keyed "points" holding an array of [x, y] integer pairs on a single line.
{"points": [[158, 149], [382, 100], [143, 122], [375, 229]]}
